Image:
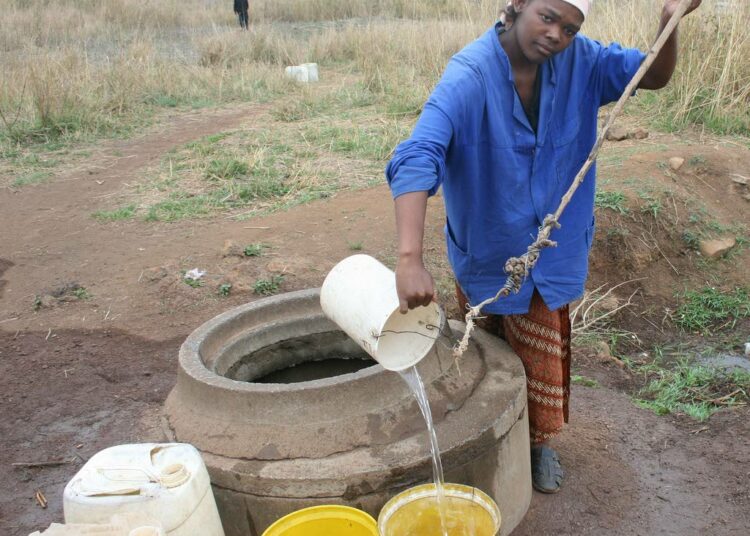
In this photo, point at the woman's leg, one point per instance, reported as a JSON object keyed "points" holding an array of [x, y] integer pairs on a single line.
{"points": [[541, 339]]}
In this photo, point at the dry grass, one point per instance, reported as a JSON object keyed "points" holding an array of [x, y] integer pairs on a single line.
{"points": [[79, 68]]}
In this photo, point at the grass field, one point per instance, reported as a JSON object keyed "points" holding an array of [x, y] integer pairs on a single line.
{"points": [[78, 69]]}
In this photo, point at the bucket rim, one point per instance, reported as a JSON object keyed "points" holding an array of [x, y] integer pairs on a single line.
{"points": [[469, 493], [326, 511]]}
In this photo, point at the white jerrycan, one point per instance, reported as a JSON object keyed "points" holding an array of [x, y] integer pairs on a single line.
{"points": [[163, 482]]}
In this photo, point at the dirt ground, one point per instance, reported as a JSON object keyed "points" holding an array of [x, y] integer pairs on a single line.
{"points": [[82, 372]]}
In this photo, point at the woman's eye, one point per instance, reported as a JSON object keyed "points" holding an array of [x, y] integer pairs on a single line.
{"points": [[545, 18]]}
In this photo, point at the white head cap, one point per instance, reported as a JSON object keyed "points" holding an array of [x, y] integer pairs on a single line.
{"points": [[582, 5]]}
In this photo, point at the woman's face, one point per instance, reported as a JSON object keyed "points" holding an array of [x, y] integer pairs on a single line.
{"points": [[545, 27]]}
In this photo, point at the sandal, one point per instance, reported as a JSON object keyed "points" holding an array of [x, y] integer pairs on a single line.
{"points": [[546, 471]]}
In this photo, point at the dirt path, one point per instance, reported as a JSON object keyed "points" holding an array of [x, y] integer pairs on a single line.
{"points": [[78, 375]]}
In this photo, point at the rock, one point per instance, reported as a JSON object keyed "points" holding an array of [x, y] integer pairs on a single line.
{"points": [[676, 162], [640, 134], [278, 266], [617, 134], [602, 351], [47, 301], [739, 179], [155, 274], [717, 247], [231, 249], [747, 349]]}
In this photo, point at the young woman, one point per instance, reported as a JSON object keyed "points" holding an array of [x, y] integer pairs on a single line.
{"points": [[504, 133]]}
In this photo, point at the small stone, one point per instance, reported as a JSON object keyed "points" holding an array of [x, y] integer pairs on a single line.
{"points": [[155, 274], [231, 249], [717, 247], [48, 301], [676, 162], [277, 266], [602, 351], [640, 134], [617, 134], [747, 349], [739, 179]]}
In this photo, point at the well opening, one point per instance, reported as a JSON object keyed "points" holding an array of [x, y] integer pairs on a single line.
{"points": [[300, 359]]}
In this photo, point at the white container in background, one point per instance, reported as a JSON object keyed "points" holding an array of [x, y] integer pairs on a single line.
{"points": [[359, 295], [307, 72], [163, 482]]}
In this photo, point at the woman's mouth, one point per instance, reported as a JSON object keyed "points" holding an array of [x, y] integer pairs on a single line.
{"points": [[544, 50]]}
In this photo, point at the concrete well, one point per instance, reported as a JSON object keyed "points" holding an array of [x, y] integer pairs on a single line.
{"points": [[355, 438]]}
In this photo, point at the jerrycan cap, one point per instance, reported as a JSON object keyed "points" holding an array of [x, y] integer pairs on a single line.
{"points": [[174, 475]]}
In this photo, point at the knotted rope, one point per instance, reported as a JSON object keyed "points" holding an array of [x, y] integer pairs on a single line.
{"points": [[518, 268]]}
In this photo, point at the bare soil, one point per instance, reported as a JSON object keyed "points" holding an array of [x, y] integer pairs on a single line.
{"points": [[80, 372]]}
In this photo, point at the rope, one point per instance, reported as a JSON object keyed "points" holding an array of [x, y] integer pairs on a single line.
{"points": [[518, 268]]}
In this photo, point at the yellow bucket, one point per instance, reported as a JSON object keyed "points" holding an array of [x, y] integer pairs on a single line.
{"points": [[414, 512], [329, 520]]}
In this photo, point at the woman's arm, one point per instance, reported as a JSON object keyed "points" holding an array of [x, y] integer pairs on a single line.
{"points": [[414, 283], [662, 69]]}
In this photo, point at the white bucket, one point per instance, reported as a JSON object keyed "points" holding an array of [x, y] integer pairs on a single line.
{"points": [[166, 483], [307, 72], [359, 295]]}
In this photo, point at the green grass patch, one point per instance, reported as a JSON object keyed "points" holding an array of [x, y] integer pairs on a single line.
{"points": [[181, 206], [586, 382], [615, 201], [225, 289], [122, 213], [254, 250], [267, 287], [651, 204], [709, 309], [226, 169], [373, 142], [694, 390], [81, 293], [36, 177]]}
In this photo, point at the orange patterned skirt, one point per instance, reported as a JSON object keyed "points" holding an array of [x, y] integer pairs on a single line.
{"points": [[541, 338]]}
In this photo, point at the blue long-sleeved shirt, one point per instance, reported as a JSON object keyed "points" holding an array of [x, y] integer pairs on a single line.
{"points": [[500, 178]]}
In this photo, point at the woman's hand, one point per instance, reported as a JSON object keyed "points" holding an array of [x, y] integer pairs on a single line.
{"points": [[414, 284], [670, 6]]}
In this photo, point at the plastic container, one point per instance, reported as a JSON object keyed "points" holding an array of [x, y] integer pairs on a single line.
{"points": [[307, 72], [119, 525], [359, 295], [146, 531], [468, 512], [163, 482], [329, 520]]}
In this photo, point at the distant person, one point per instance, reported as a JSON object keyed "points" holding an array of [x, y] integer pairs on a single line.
{"points": [[241, 7], [504, 133]]}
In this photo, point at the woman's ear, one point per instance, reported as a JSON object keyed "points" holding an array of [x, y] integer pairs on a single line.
{"points": [[520, 5]]}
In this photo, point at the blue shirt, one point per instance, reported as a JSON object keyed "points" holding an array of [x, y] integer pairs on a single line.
{"points": [[500, 178]]}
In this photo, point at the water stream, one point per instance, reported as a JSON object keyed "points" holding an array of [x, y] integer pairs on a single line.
{"points": [[414, 381]]}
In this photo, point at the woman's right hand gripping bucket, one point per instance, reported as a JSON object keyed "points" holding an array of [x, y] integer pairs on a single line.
{"points": [[359, 295]]}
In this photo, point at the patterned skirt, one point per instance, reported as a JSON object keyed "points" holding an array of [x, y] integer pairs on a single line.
{"points": [[541, 338]]}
